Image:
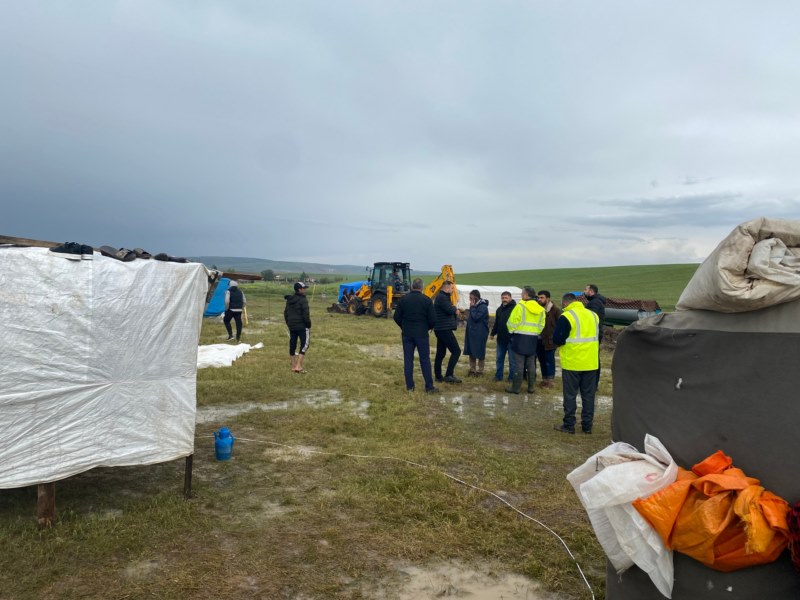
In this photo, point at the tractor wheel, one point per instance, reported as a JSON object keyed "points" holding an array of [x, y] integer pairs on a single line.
{"points": [[379, 305], [354, 307]]}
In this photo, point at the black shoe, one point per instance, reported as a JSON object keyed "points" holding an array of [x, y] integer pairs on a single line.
{"points": [[511, 391], [410, 389], [531, 390], [439, 379], [451, 379], [433, 390], [87, 252], [230, 338], [70, 250], [563, 429], [587, 431]]}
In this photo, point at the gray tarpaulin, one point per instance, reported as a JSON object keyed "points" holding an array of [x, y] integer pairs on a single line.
{"points": [[703, 381]]}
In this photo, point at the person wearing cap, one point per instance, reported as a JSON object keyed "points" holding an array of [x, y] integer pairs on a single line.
{"points": [[298, 320], [234, 305]]}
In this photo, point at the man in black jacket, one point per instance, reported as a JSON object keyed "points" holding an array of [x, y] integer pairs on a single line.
{"points": [[500, 330], [446, 324], [298, 320], [415, 317], [596, 303]]}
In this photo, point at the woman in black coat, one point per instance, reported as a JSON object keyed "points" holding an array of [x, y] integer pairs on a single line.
{"points": [[477, 333]]}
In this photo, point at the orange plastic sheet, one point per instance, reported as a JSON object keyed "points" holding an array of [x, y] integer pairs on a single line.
{"points": [[718, 516]]}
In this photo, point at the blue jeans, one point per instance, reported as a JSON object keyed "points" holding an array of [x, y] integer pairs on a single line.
{"points": [[502, 350], [423, 348], [547, 361]]}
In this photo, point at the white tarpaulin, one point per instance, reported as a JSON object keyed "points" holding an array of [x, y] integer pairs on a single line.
{"points": [[99, 363], [755, 267], [222, 355], [490, 292]]}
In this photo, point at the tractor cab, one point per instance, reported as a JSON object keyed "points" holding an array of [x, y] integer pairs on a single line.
{"points": [[385, 274]]}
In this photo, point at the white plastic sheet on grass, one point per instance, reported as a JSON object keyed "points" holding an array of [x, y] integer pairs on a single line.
{"points": [[222, 355], [491, 293], [99, 363], [607, 484]]}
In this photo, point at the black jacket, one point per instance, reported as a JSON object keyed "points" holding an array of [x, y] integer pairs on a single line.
{"points": [[296, 313], [445, 312], [597, 304], [414, 314], [235, 298], [500, 320]]}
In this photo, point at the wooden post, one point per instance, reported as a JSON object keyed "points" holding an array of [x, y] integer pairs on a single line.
{"points": [[187, 477], [46, 504]]}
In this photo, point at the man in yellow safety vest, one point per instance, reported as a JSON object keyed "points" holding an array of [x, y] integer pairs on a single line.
{"points": [[577, 337], [525, 324]]}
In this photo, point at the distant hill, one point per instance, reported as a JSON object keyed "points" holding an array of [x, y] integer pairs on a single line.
{"points": [[256, 265]]}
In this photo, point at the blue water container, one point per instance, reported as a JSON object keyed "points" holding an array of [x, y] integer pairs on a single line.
{"points": [[223, 443]]}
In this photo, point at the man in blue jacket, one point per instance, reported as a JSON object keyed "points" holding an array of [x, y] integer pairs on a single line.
{"points": [[415, 316]]}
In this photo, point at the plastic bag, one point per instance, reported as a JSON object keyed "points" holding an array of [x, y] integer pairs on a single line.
{"points": [[607, 484], [719, 516]]}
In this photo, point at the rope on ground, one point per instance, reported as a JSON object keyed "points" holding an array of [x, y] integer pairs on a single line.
{"points": [[427, 467]]}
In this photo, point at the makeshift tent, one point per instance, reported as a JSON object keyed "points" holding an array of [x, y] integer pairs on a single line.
{"points": [[720, 375], [216, 306], [489, 292], [99, 363], [350, 287]]}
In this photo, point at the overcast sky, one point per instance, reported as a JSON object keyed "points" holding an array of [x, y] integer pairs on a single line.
{"points": [[490, 135]]}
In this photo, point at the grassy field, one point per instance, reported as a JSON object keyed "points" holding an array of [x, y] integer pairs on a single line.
{"points": [[318, 501]]}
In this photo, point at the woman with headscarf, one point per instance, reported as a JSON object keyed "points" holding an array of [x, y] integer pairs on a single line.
{"points": [[477, 333]]}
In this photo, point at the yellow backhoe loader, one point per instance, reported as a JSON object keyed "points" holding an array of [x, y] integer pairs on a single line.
{"points": [[390, 281]]}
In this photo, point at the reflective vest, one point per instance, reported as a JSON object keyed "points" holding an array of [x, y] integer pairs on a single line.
{"points": [[580, 352], [527, 318]]}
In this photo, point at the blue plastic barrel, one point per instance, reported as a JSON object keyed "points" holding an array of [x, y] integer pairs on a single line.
{"points": [[223, 443]]}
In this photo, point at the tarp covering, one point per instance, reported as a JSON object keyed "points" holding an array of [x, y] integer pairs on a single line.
{"points": [[489, 292], [222, 355], [756, 266], [99, 363], [349, 287], [216, 306], [702, 381]]}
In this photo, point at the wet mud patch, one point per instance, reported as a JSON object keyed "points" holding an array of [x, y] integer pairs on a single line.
{"points": [[393, 351], [312, 399], [455, 580], [489, 404]]}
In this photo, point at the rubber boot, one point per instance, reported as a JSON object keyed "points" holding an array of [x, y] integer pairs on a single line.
{"points": [[516, 384], [479, 371], [531, 382]]}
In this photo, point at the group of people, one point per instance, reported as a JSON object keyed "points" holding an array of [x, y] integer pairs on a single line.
{"points": [[533, 328]]}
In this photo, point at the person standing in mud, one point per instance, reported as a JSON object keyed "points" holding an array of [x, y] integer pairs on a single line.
{"points": [[416, 318], [477, 333], [446, 324], [500, 330], [298, 320], [577, 336], [546, 349], [525, 324]]}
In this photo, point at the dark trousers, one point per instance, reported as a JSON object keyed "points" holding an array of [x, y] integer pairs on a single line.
{"points": [[446, 340], [547, 361], [236, 316], [524, 363], [423, 347], [584, 382]]}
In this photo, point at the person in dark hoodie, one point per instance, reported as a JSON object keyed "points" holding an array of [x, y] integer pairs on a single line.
{"points": [[446, 324], [298, 320], [234, 305], [525, 325], [477, 332], [500, 330]]}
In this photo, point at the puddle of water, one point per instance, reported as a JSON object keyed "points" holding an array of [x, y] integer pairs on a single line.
{"points": [[453, 580], [490, 404], [314, 399]]}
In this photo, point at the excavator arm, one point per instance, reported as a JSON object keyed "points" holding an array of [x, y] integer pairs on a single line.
{"points": [[434, 286]]}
